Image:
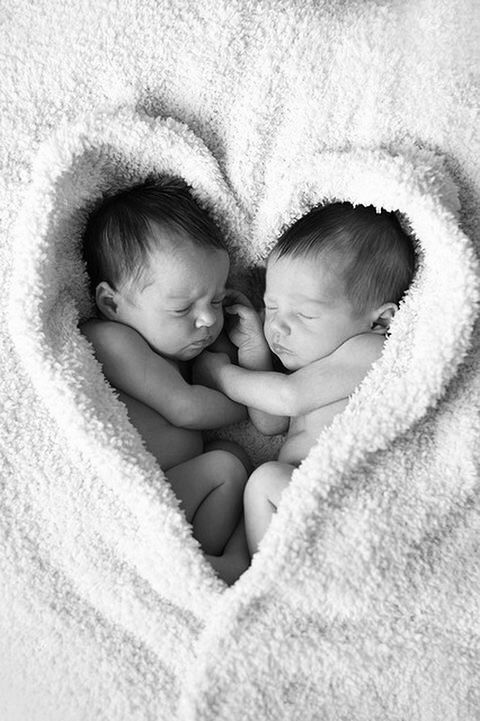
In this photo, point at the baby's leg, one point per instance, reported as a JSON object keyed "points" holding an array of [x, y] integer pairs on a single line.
{"points": [[210, 488], [224, 445], [235, 558], [261, 499]]}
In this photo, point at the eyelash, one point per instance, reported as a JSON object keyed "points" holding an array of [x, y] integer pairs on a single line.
{"points": [[299, 315], [184, 311]]}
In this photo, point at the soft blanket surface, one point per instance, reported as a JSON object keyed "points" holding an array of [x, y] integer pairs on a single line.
{"points": [[364, 600]]}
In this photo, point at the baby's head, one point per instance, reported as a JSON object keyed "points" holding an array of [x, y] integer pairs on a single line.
{"points": [[157, 263], [337, 272]]}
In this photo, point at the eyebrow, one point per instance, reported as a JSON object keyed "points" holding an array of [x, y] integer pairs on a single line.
{"points": [[301, 299], [174, 296]]}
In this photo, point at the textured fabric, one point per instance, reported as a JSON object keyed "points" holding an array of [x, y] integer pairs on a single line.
{"points": [[364, 600]]}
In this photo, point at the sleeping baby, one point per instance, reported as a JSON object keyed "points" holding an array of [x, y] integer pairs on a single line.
{"points": [[158, 267], [333, 284]]}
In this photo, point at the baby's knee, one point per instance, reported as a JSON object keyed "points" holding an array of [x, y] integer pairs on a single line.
{"points": [[232, 448], [267, 481], [229, 469], [261, 479]]}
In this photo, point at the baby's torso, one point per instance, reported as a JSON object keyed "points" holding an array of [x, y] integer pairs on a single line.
{"points": [[349, 363], [170, 444], [303, 431]]}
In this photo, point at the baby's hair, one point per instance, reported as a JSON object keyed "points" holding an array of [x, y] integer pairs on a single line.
{"points": [[118, 237], [377, 256]]}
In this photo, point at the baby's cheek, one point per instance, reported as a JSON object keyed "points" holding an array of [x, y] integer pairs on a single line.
{"points": [[267, 334], [219, 323], [217, 328]]}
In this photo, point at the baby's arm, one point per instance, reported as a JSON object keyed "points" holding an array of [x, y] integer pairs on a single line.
{"points": [[131, 366], [246, 332], [320, 383]]}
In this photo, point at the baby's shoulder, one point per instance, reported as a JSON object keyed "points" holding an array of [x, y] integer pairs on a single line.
{"points": [[109, 336], [362, 347]]}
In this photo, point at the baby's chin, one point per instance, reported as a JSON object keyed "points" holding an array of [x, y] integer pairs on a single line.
{"points": [[182, 354], [293, 362], [191, 352], [188, 354], [290, 363]]}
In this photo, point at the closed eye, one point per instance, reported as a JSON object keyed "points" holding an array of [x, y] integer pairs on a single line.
{"points": [[308, 317], [182, 311]]}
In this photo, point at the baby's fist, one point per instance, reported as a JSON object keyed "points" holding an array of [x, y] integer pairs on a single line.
{"points": [[207, 367], [243, 323]]}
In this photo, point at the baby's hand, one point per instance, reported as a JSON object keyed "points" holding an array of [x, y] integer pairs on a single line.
{"points": [[207, 367], [244, 326]]}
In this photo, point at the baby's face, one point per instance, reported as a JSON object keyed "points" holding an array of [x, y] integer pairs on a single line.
{"points": [[307, 313], [176, 305]]}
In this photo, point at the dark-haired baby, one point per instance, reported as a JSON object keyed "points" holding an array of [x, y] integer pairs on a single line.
{"points": [[333, 284], [158, 270]]}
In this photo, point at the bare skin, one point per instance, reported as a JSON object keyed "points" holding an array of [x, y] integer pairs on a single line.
{"points": [[326, 347], [304, 430], [147, 337]]}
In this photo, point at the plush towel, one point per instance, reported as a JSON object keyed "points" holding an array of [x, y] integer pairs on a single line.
{"points": [[364, 599]]}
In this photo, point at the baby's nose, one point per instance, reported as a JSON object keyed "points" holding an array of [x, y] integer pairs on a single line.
{"points": [[205, 319]]}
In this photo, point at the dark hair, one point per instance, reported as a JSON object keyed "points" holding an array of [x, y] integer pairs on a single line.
{"points": [[118, 237], [378, 256]]}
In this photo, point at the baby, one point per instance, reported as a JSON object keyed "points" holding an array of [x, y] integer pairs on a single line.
{"points": [[158, 269], [333, 284]]}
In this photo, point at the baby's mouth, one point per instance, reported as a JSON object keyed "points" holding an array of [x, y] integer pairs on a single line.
{"points": [[202, 343], [279, 349]]}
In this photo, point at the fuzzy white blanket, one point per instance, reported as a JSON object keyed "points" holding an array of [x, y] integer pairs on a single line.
{"points": [[364, 601]]}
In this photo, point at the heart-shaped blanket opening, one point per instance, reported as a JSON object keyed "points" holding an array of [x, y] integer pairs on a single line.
{"points": [[49, 298]]}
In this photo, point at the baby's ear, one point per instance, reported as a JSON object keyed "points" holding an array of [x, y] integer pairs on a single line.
{"points": [[382, 317], [105, 300]]}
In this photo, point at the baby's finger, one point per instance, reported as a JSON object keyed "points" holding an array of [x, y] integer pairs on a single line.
{"points": [[236, 296], [238, 309]]}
